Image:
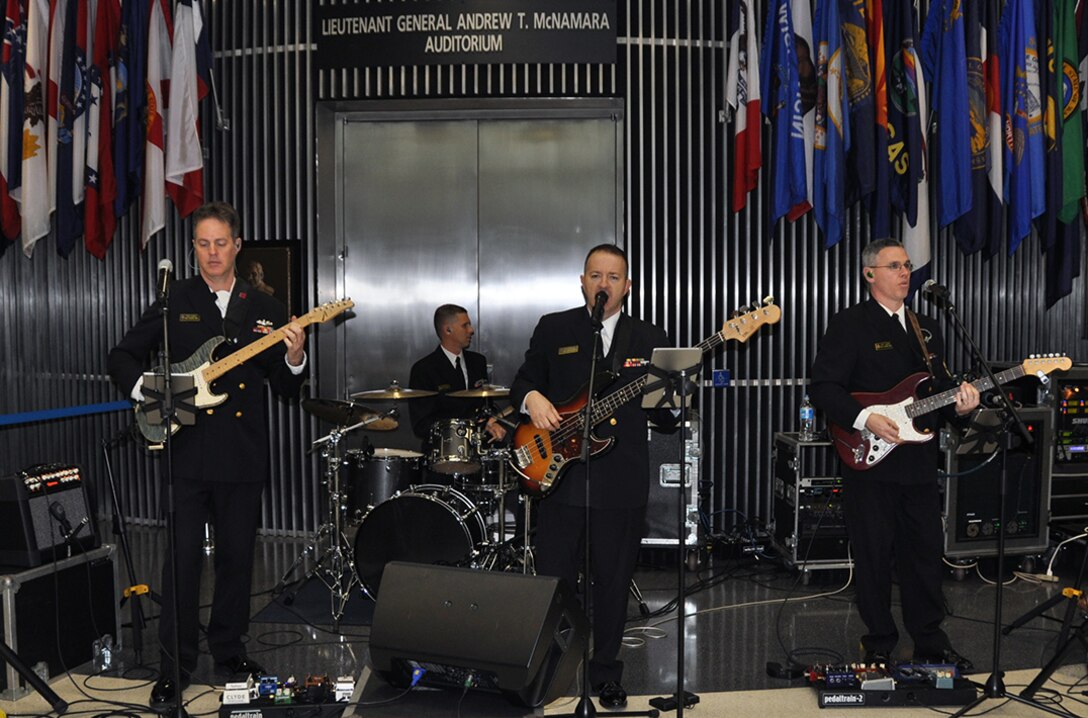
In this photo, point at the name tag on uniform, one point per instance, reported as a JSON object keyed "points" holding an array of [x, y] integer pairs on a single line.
{"points": [[444, 387], [572, 349], [188, 317], [882, 346]]}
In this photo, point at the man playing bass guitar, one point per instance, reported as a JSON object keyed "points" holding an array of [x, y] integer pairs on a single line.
{"points": [[892, 510], [556, 367]]}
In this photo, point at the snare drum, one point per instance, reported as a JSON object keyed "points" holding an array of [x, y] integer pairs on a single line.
{"points": [[429, 524], [452, 447], [375, 478]]}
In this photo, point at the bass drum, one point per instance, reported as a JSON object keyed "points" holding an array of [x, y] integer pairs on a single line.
{"points": [[429, 524]]}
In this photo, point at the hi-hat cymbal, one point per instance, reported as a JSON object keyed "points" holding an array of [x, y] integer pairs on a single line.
{"points": [[486, 391], [393, 391], [348, 413]]}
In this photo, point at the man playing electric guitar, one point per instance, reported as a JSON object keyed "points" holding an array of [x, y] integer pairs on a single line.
{"points": [[556, 367], [892, 510], [220, 464]]}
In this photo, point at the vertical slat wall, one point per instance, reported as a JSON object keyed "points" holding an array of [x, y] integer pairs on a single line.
{"points": [[692, 259]]}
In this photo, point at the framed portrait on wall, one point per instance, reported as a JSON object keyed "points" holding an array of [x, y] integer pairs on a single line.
{"points": [[274, 267]]}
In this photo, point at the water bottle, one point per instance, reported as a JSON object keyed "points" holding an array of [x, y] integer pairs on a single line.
{"points": [[808, 420]]}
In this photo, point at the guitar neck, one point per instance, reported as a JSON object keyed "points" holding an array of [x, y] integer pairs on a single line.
{"points": [[932, 403], [221, 367], [607, 405]]}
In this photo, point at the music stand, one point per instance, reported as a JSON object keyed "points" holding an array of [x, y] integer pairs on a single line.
{"points": [[154, 391], [669, 385]]}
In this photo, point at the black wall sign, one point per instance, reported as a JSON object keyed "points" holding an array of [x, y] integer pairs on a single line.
{"points": [[457, 32]]}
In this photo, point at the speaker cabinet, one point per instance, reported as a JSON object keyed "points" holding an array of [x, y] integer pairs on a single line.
{"points": [[42, 508], [519, 635], [973, 487]]}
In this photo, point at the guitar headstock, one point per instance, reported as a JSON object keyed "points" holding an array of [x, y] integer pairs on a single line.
{"points": [[326, 311], [1042, 364], [747, 320]]}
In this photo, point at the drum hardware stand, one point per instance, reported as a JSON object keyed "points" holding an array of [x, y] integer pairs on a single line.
{"points": [[335, 567], [673, 371], [995, 684]]}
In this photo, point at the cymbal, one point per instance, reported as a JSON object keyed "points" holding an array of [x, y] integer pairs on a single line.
{"points": [[347, 413], [485, 391], [393, 391]]}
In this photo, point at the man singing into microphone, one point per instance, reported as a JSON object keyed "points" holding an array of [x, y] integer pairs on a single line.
{"points": [[220, 465], [556, 368], [892, 510]]}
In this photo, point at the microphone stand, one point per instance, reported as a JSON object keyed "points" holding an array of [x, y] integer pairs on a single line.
{"points": [[995, 684], [585, 707], [169, 411]]}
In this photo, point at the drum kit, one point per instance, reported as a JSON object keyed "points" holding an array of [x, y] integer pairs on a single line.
{"points": [[446, 505]]}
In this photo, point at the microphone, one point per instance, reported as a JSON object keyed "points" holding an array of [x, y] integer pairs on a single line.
{"points": [[598, 306], [933, 291], [166, 268], [57, 512]]}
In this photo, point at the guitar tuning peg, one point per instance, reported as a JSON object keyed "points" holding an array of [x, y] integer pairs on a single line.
{"points": [[768, 300]]}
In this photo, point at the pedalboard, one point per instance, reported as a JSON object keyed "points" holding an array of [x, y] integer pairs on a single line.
{"points": [[896, 685], [268, 697]]}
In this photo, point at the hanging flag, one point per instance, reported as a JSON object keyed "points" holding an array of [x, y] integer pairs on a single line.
{"points": [[98, 214], [905, 138], [184, 157], [33, 193], [1072, 117], [880, 199], [157, 85], [742, 92], [860, 159], [130, 104], [975, 229], [782, 103], [1050, 90], [806, 81], [832, 139], [1022, 113], [995, 170], [65, 104], [12, 60], [944, 56], [917, 237]]}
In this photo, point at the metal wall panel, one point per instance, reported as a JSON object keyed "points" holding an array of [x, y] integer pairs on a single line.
{"points": [[693, 259]]}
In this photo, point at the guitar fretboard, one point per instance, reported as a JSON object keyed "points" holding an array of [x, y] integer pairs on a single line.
{"points": [[932, 403]]}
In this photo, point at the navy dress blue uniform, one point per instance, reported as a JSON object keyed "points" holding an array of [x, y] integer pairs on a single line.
{"points": [[220, 464], [892, 510], [557, 364], [435, 372]]}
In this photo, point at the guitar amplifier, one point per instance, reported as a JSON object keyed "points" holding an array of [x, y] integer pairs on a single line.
{"points": [[47, 513]]}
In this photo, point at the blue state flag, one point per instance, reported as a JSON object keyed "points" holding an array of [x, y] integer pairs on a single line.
{"points": [[832, 139], [1022, 118], [905, 140], [782, 103], [130, 105], [945, 58]]}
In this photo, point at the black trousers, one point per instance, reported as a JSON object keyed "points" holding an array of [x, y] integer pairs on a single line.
{"points": [[615, 537], [897, 525], [234, 511]]}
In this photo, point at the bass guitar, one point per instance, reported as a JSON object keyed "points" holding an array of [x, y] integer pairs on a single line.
{"points": [[861, 450], [540, 457], [199, 366]]}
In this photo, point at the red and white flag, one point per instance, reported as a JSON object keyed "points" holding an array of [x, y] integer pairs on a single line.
{"points": [[184, 158], [742, 92], [159, 53], [33, 194], [99, 220]]}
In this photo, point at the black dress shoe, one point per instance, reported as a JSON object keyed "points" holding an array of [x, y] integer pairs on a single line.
{"points": [[243, 665], [164, 695], [947, 656], [877, 658], [611, 695]]}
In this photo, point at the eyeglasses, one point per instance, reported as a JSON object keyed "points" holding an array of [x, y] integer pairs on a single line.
{"points": [[896, 266]]}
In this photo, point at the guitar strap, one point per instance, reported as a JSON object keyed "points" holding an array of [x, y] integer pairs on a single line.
{"points": [[921, 343]]}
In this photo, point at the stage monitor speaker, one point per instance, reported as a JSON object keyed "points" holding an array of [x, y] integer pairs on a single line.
{"points": [[972, 489], [46, 512], [516, 634]]}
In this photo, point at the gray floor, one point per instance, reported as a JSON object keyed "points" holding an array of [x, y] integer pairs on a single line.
{"points": [[751, 611]]}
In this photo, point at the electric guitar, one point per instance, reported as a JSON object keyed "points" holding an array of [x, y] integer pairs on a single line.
{"points": [[863, 449], [540, 456], [203, 372]]}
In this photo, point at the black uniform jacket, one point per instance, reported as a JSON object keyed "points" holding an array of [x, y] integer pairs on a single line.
{"points": [[229, 442], [557, 364], [867, 350], [435, 372]]}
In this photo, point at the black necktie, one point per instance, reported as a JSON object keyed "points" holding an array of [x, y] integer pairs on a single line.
{"points": [[460, 373]]}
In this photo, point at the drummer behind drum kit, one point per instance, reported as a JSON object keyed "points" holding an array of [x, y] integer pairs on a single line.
{"points": [[443, 507]]}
